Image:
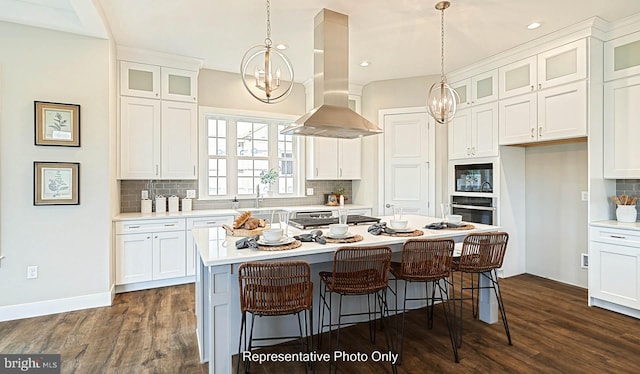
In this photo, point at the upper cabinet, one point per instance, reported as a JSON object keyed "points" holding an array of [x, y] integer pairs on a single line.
{"points": [[330, 158], [544, 97], [139, 80], [557, 66], [622, 57], [479, 89], [158, 126], [473, 132], [156, 82]]}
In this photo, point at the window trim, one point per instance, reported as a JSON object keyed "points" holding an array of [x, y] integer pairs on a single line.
{"points": [[205, 111]]}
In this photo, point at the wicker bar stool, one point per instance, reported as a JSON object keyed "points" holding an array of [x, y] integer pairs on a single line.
{"points": [[482, 254], [427, 261], [275, 289], [356, 271]]}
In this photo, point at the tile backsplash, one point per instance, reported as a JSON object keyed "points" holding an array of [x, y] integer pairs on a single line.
{"points": [[130, 194]]}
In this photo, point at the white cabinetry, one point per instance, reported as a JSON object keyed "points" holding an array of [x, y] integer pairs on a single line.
{"points": [[479, 89], [157, 138], [474, 132], [544, 97], [149, 250], [622, 57], [201, 222], [621, 130], [329, 158], [614, 269]]}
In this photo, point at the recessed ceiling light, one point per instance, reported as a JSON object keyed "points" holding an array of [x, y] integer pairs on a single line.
{"points": [[281, 47], [364, 63], [533, 26]]}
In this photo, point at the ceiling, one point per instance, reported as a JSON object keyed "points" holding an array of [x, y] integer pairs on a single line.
{"points": [[399, 38]]}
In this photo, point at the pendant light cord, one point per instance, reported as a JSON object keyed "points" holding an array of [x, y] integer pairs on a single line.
{"points": [[442, 77], [267, 41]]}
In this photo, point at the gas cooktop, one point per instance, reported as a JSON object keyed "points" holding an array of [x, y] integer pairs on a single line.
{"points": [[311, 222]]}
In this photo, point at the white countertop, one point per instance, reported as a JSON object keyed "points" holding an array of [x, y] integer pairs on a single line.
{"points": [[216, 248], [612, 223], [231, 212]]}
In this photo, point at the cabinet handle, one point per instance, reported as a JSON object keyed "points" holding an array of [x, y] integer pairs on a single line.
{"points": [[532, 87], [211, 222], [169, 224], [473, 151], [156, 169], [194, 170], [316, 172], [148, 237], [157, 94], [156, 237], [134, 227], [468, 151], [540, 132], [539, 86], [618, 236], [533, 132], [340, 171]]}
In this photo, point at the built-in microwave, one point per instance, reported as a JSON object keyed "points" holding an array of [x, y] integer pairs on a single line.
{"points": [[473, 177]]}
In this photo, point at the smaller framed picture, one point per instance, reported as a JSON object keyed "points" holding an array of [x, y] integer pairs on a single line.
{"points": [[57, 124], [56, 183]]}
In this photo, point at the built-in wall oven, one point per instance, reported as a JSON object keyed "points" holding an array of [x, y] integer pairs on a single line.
{"points": [[475, 209], [473, 178]]}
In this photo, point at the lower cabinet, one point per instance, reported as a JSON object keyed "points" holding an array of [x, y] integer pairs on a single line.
{"points": [[150, 250], [614, 268]]}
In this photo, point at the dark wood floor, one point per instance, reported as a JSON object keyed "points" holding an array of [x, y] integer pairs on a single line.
{"points": [[553, 331]]}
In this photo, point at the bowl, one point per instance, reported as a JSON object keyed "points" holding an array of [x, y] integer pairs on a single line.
{"points": [[338, 228], [272, 235], [454, 218], [398, 224]]}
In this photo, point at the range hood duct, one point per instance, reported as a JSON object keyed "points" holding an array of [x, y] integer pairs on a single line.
{"points": [[331, 116]]}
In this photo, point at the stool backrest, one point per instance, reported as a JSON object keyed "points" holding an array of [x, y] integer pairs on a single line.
{"points": [[361, 270], [272, 288], [483, 252], [427, 259]]}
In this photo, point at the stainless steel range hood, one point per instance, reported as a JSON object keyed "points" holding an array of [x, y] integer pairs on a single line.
{"points": [[331, 116]]}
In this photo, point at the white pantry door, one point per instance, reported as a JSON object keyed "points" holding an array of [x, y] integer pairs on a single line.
{"points": [[406, 162]]}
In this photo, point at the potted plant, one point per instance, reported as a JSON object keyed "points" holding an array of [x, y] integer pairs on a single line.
{"points": [[268, 178]]}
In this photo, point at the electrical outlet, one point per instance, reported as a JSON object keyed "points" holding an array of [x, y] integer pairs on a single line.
{"points": [[191, 194], [584, 260], [32, 272], [309, 191], [585, 196], [144, 194]]}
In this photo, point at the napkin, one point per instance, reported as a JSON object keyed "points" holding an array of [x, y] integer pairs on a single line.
{"points": [[442, 225], [250, 241], [377, 228], [313, 236]]}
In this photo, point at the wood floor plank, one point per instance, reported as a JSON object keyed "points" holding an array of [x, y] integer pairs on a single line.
{"points": [[153, 331]]}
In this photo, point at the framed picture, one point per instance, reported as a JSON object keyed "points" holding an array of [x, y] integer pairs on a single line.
{"points": [[56, 183], [57, 124]]}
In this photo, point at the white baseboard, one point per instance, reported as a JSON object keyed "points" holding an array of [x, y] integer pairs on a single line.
{"points": [[154, 284], [43, 308]]}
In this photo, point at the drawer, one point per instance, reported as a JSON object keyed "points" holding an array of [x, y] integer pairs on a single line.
{"points": [[155, 225], [615, 236], [211, 221]]}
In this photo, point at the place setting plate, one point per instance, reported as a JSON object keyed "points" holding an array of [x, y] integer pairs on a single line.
{"points": [[347, 235], [282, 241]]}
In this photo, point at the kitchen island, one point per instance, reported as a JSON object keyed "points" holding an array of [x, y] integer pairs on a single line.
{"points": [[217, 300]]}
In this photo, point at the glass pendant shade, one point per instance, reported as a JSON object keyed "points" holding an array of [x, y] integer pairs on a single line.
{"points": [[442, 102]]}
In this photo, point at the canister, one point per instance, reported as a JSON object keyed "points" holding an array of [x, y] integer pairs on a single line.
{"points": [[173, 203], [186, 204], [145, 206], [161, 204]]}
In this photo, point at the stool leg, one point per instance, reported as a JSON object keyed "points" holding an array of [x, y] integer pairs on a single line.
{"points": [[447, 310], [496, 290], [460, 320], [242, 329], [321, 306], [474, 299], [384, 312]]}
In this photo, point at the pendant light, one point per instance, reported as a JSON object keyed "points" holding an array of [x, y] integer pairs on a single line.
{"points": [[264, 64], [442, 99]]}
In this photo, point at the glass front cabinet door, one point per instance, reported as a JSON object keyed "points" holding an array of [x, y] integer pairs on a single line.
{"points": [[139, 80], [622, 57]]}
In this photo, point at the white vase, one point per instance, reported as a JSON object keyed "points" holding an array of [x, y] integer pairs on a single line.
{"points": [[626, 213]]}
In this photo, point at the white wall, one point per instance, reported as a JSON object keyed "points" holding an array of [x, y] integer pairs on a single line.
{"points": [[397, 93], [225, 90], [70, 244], [556, 218]]}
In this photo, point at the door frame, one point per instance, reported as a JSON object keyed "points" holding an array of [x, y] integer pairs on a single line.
{"points": [[432, 155]]}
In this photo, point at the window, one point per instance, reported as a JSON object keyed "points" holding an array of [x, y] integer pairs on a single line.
{"points": [[238, 150]]}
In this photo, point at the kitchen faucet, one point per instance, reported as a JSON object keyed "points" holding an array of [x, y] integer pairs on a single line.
{"points": [[258, 197]]}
